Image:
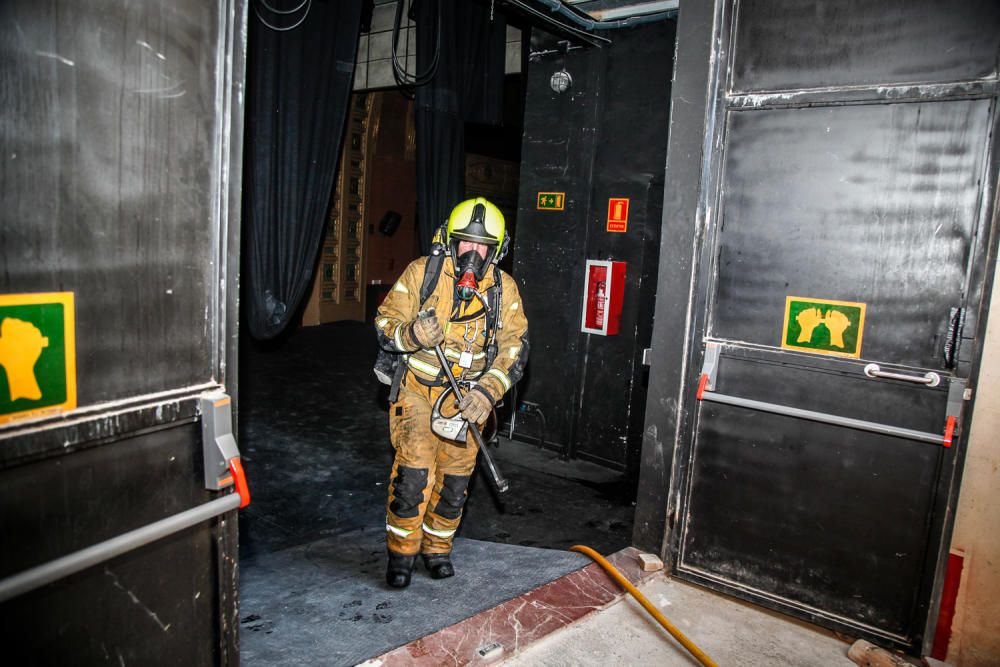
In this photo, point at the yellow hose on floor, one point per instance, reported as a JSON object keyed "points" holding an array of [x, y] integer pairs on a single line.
{"points": [[647, 605]]}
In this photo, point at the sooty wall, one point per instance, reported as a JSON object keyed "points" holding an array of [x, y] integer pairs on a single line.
{"points": [[605, 137]]}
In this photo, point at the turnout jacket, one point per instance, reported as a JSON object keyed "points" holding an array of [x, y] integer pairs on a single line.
{"points": [[465, 327]]}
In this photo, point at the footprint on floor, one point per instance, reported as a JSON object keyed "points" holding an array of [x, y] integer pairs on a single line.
{"points": [[383, 605], [382, 618], [352, 603]]}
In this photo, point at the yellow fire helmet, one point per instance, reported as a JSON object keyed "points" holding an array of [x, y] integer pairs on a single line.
{"points": [[479, 221]]}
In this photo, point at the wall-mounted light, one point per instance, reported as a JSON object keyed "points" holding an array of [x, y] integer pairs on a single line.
{"points": [[561, 81]]}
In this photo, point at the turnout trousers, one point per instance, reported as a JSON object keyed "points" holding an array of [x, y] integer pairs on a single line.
{"points": [[429, 481]]}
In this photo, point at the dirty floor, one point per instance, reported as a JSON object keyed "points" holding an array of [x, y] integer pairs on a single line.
{"points": [[314, 437]]}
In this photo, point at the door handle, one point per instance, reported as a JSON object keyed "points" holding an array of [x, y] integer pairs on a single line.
{"points": [[930, 378], [223, 466]]}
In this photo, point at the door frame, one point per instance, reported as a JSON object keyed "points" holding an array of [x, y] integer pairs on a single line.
{"points": [[701, 102]]}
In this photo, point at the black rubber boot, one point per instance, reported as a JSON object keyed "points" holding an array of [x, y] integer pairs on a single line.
{"points": [[439, 565], [397, 574]]}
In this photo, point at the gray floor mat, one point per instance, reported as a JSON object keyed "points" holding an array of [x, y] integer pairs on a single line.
{"points": [[326, 602]]}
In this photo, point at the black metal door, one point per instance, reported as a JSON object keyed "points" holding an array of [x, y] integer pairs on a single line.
{"points": [[120, 131], [847, 203]]}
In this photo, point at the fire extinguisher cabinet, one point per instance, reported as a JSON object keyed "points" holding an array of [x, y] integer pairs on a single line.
{"points": [[603, 291]]}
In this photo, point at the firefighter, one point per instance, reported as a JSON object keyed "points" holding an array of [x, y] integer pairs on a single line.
{"points": [[480, 323]]}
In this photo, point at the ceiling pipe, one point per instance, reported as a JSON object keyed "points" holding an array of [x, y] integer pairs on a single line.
{"points": [[640, 14]]}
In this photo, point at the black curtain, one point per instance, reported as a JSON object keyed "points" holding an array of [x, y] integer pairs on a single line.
{"points": [[298, 91], [468, 86]]}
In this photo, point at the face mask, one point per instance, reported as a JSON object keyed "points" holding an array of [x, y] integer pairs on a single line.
{"points": [[469, 265]]}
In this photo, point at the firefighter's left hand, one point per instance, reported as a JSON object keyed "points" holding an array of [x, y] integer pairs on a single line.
{"points": [[475, 406]]}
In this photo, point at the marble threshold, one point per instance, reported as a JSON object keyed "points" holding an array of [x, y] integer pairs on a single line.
{"points": [[505, 630]]}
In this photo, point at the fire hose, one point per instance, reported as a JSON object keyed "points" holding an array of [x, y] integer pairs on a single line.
{"points": [[613, 572]]}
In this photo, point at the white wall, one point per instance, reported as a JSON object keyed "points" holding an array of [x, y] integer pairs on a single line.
{"points": [[976, 628]]}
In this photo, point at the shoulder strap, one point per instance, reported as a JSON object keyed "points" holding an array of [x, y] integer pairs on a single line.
{"points": [[432, 271], [496, 300], [493, 321]]}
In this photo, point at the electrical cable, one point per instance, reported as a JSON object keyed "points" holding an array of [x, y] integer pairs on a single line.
{"points": [[613, 572], [306, 3], [282, 12], [545, 427], [404, 78]]}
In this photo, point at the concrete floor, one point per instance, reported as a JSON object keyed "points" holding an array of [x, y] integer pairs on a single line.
{"points": [[728, 631]]}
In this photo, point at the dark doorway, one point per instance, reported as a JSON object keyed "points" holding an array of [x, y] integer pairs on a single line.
{"points": [[314, 432]]}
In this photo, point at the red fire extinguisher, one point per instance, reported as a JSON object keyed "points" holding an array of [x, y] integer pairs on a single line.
{"points": [[599, 304]]}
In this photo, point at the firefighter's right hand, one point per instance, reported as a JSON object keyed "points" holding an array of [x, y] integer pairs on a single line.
{"points": [[426, 331]]}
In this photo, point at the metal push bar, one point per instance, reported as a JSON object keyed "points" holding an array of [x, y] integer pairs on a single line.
{"points": [[59, 568], [222, 469], [824, 417], [710, 370]]}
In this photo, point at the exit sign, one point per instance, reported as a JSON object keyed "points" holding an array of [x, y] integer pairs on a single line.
{"points": [[551, 201]]}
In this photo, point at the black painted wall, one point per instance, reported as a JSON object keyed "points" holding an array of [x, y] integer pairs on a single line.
{"points": [[604, 137]]}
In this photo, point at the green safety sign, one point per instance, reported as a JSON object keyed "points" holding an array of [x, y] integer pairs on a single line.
{"points": [[551, 201], [822, 326], [37, 355]]}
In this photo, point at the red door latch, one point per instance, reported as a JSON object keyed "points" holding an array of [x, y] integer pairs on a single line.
{"points": [[949, 430], [240, 480], [701, 386]]}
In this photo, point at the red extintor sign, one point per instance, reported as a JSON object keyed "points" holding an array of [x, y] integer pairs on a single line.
{"points": [[617, 215]]}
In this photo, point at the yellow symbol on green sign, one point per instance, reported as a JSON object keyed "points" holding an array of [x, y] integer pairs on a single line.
{"points": [[823, 326], [551, 201], [37, 355]]}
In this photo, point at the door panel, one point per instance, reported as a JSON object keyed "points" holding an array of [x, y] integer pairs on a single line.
{"points": [[121, 135], [806, 484], [153, 476], [789, 44], [113, 192], [813, 513], [156, 604], [870, 203]]}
